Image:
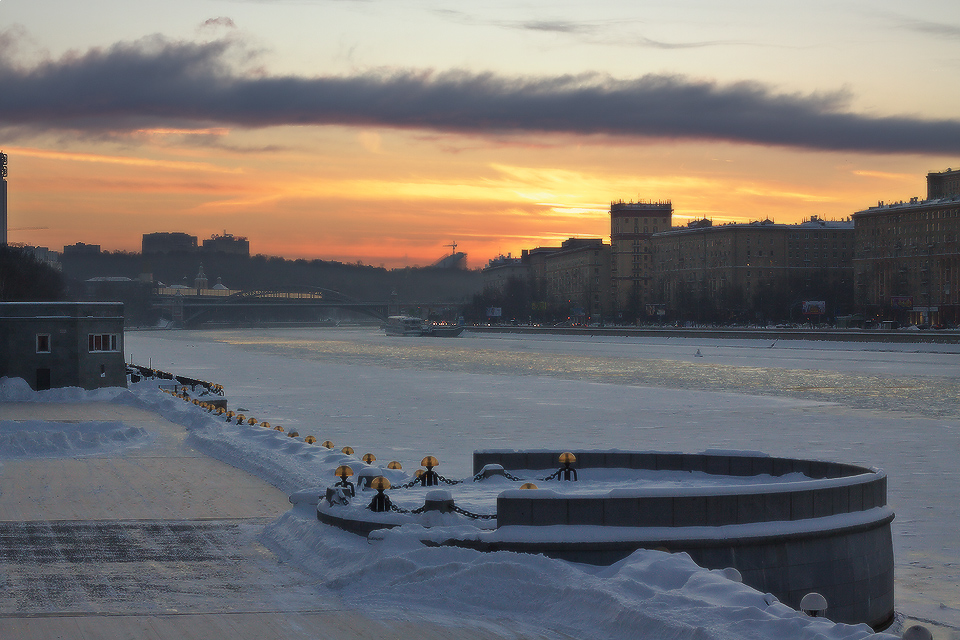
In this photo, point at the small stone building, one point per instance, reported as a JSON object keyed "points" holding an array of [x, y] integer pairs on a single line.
{"points": [[63, 344]]}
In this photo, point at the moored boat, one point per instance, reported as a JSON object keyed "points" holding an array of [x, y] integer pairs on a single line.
{"points": [[403, 326], [442, 330]]}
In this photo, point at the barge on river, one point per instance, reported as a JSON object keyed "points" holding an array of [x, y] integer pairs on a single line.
{"points": [[411, 326]]}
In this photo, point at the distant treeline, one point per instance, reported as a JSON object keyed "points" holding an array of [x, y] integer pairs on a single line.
{"points": [[23, 277], [362, 282]]}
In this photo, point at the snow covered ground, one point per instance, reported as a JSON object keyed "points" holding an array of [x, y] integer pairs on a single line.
{"points": [[893, 406]]}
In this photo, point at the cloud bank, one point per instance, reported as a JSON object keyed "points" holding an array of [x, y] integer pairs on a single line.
{"points": [[156, 82]]}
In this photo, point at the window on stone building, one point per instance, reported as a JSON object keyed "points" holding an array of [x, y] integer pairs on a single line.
{"points": [[103, 342], [43, 343]]}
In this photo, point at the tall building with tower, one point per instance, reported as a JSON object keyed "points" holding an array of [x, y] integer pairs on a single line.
{"points": [[3, 198], [632, 224]]}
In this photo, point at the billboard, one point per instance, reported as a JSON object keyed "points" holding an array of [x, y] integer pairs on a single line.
{"points": [[815, 307], [901, 302], [494, 312]]}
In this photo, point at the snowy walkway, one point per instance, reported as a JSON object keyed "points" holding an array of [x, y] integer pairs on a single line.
{"points": [[156, 541]]}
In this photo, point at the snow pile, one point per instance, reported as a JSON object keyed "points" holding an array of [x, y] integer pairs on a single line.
{"points": [[17, 390], [37, 438], [393, 574], [650, 594]]}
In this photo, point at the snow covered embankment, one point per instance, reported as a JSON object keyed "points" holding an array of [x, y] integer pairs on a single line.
{"points": [[647, 595]]}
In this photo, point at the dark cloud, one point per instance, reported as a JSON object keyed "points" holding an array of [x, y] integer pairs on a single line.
{"points": [[159, 83], [945, 30], [222, 21], [604, 32]]}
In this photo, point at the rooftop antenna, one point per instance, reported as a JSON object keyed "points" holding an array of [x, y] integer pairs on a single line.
{"points": [[453, 246]]}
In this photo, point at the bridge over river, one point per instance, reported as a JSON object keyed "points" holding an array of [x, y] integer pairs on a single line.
{"points": [[188, 307]]}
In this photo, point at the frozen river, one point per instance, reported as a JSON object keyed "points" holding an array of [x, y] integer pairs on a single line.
{"points": [[890, 406]]}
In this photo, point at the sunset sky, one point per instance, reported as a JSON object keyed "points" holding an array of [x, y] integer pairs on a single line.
{"points": [[382, 131]]}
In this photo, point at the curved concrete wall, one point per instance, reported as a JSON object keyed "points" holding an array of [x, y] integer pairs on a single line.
{"points": [[830, 534]]}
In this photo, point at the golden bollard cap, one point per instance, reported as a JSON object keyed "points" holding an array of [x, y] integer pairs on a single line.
{"points": [[343, 471], [394, 465], [380, 483], [347, 450], [230, 414], [418, 473], [240, 418], [430, 461], [278, 428], [266, 425], [292, 434], [529, 485], [567, 458], [310, 440], [327, 444], [369, 458]]}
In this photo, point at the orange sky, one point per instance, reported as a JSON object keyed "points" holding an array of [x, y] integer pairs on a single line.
{"points": [[383, 132], [398, 197]]}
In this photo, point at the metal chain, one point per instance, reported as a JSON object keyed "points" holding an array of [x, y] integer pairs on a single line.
{"points": [[416, 481], [464, 512], [506, 474], [417, 511], [555, 474], [475, 516]]}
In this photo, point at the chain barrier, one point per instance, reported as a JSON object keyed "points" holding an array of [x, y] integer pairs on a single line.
{"points": [[475, 516], [416, 481], [417, 511], [506, 474], [555, 474], [463, 512]]}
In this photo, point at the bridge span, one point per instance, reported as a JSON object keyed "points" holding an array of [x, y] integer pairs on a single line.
{"points": [[188, 307]]}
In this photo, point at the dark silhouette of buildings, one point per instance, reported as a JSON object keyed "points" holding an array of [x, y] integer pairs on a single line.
{"points": [[227, 243], [169, 242], [3, 198]]}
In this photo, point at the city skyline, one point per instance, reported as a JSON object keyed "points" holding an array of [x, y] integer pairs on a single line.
{"points": [[382, 132]]}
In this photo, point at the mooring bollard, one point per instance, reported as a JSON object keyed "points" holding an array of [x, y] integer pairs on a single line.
{"points": [[439, 500], [343, 472], [381, 501], [917, 632], [429, 478], [565, 472], [366, 476], [813, 604]]}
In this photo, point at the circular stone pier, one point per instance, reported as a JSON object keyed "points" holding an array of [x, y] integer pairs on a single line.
{"points": [[789, 526]]}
